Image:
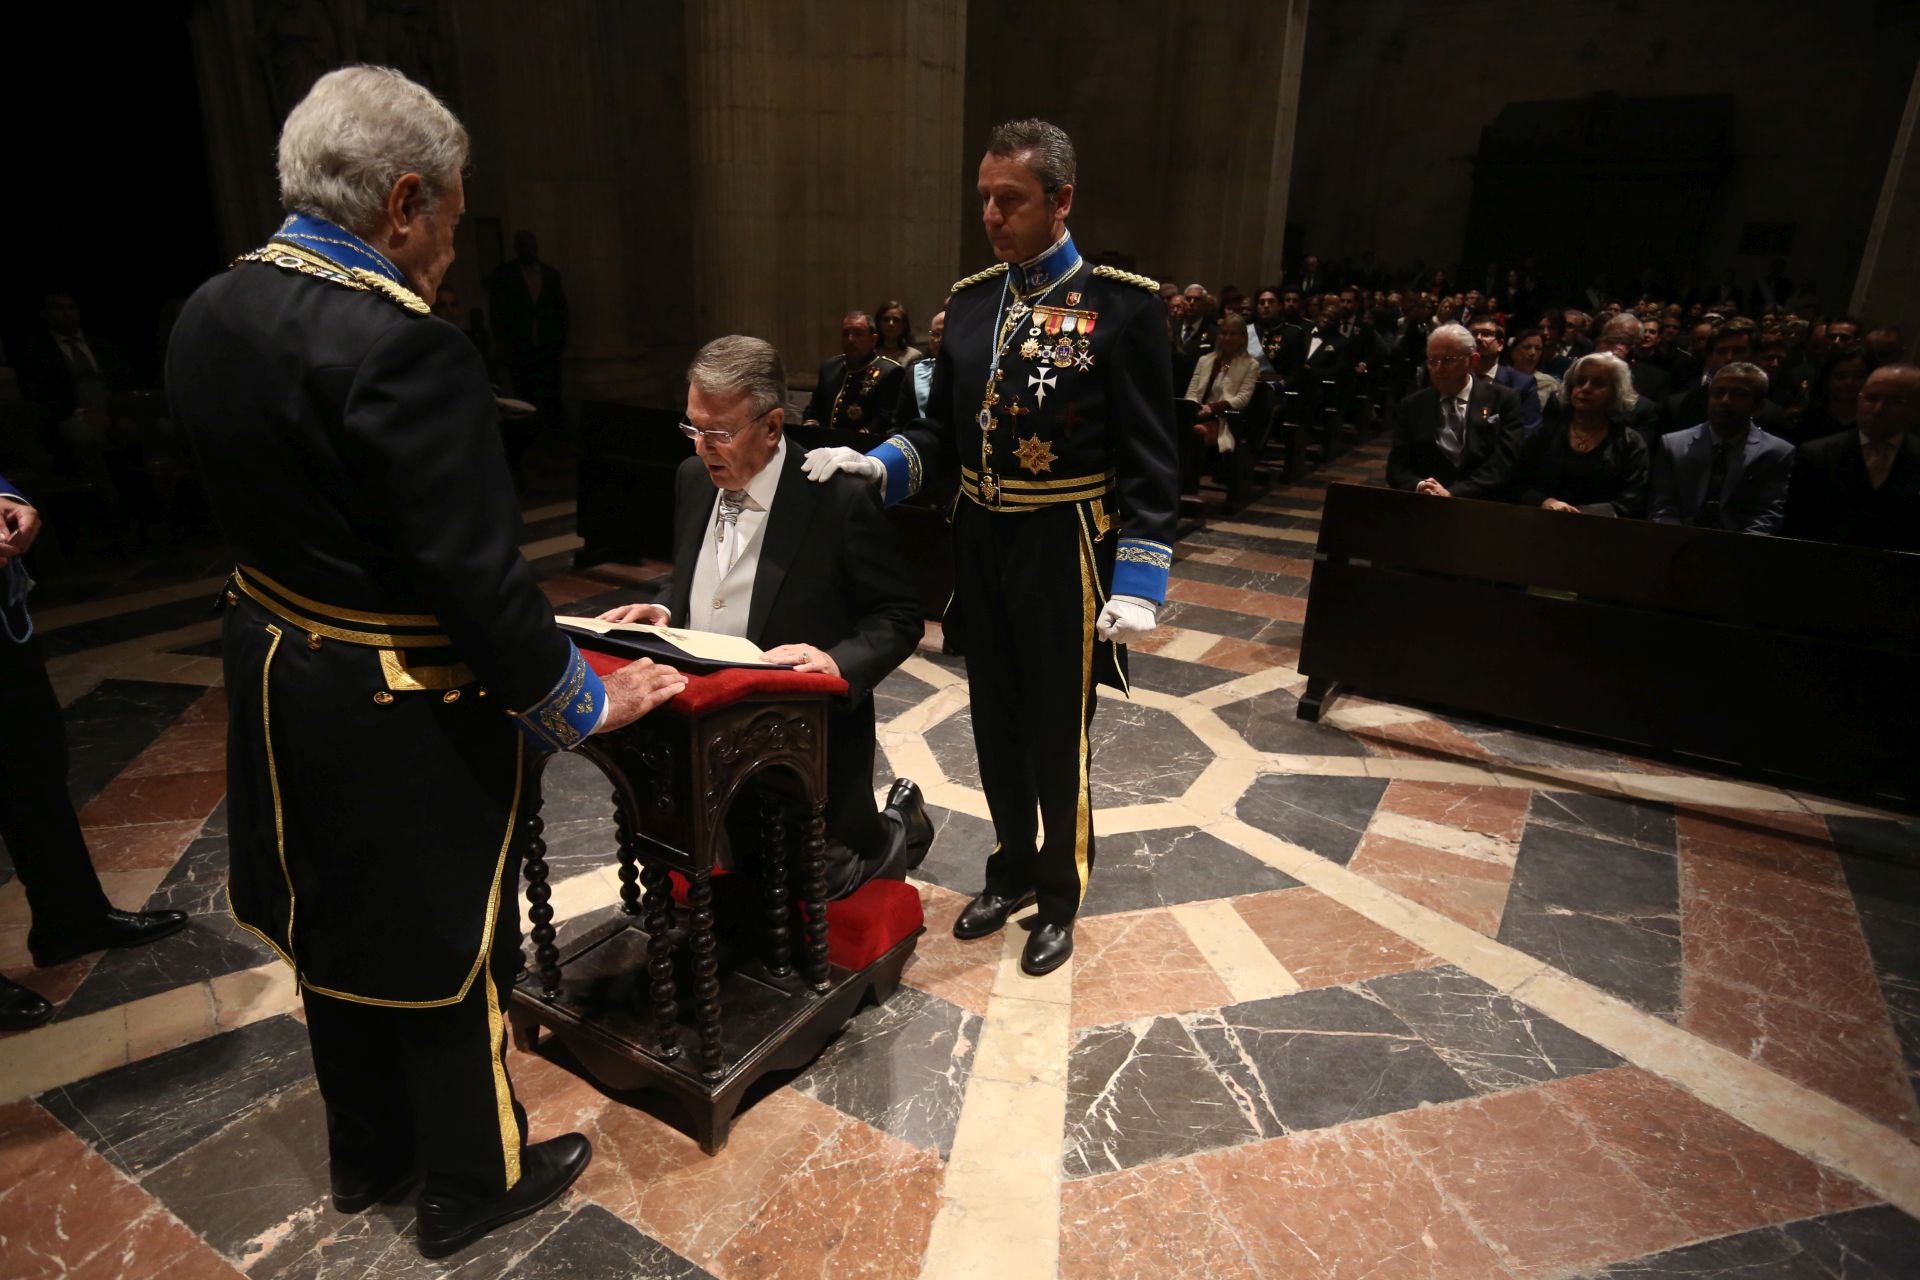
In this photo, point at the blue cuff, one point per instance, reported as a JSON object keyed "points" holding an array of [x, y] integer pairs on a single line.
{"points": [[902, 461], [570, 711], [1141, 567]]}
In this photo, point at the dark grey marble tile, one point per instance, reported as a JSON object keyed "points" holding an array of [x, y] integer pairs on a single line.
{"points": [[1765, 1254], [1170, 675], [1214, 537], [1144, 1092], [901, 1066], [1490, 1041], [898, 694], [1605, 912], [1223, 575], [958, 857], [1648, 824], [1882, 864], [1218, 622], [1274, 520], [578, 845], [1526, 748], [882, 768], [1161, 868], [1326, 815], [119, 627], [318, 1244], [216, 823], [1137, 753], [109, 726], [1269, 723], [211, 945], [1880, 1243], [573, 788], [144, 1114], [1321, 1058], [593, 1243], [1282, 633]]}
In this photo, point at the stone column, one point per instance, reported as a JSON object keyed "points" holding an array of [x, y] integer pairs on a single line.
{"points": [[824, 178], [1887, 290]]}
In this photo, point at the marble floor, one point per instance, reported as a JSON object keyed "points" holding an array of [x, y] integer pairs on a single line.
{"points": [[1394, 995]]}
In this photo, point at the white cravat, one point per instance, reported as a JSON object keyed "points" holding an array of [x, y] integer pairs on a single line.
{"points": [[723, 574]]}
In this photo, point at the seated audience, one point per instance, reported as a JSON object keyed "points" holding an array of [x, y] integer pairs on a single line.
{"points": [[1833, 396], [1862, 486], [1725, 473], [1524, 353], [1884, 344], [1734, 340], [1491, 337], [896, 335], [811, 573], [1587, 457], [1456, 437], [859, 388], [1222, 383], [917, 386]]}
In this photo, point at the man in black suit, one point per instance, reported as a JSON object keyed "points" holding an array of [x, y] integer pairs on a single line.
{"points": [[1458, 436], [1725, 473], [1309, 280], [858, 389], [1733, 341], [1194, 334], [809, 572], [530, 318], [1491, 338], [1862, 486]]}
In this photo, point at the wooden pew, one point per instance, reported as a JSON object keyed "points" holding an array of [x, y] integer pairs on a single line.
{"points": [[1792, 661]]}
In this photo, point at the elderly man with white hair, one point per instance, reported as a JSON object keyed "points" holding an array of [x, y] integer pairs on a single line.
{"points": [[391, 664], [1458, 436]]}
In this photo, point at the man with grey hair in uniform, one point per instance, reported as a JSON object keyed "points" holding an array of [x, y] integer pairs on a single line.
{"points": [[391, 664]]}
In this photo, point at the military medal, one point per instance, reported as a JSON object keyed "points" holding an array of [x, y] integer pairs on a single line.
{"points": [[1062, 355], [1041, 382], [1029, 349], [1036, 455], [990, 488]]}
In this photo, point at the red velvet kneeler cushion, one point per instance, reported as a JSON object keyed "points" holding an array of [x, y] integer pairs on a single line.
{"points": [[730, 684], [861, 927]]}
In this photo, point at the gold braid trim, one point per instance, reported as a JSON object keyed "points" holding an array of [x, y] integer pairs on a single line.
{"points": [[981, 277], [1127, 277]]}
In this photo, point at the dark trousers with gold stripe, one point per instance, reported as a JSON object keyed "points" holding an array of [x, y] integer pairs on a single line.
{"points": [[426, 1089], [1026, 593]]}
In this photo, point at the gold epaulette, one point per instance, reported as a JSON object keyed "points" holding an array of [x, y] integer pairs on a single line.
{"points": [[981, 277], [289, 257], [1128, 277]]}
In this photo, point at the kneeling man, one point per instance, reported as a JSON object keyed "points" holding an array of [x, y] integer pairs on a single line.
{"points": [[811, 573]]}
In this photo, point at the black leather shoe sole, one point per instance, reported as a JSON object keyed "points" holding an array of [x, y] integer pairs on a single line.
{"points": [[361, 1201], [1046, 951], [986, 925], [165, 925], [534, 1192]]}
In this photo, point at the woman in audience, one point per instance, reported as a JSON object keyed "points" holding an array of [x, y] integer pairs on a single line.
{"points": [[896, 334], [1222, 382], [1833, 396], [1524, 353], [1585, 457]]}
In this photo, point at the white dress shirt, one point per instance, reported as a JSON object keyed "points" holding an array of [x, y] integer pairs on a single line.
{"points": [[723, 572]]}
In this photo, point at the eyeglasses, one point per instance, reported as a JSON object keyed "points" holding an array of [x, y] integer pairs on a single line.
{"points": [[1445, 360], [722, 438]]}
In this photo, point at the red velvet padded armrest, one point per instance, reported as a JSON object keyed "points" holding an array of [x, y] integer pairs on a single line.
{"points": [[716, 689]]}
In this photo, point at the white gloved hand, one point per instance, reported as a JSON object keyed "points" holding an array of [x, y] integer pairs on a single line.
{"points": [[820, 464], [1126, 619]]}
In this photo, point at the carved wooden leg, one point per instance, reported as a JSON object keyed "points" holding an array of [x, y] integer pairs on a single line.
{"points": [[629, 857], [706, 984], [1318, 690], [773, 872], [546, 956], [526, 1032], [815, 899], [657, 918]]}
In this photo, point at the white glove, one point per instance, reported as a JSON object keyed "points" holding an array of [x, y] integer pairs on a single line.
{"points": [[820, 464], [1126, 619]]}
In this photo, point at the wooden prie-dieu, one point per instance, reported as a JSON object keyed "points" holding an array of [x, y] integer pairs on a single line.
{"points": [[706, 982]]}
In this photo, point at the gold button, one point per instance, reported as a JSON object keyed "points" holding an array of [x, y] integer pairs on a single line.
{"points": [[451, 695], [479, 693], [313, 639], [382, 698], [233, 598]]}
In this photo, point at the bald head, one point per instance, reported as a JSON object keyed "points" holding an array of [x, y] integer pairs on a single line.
{"points": [[1890, 401]]}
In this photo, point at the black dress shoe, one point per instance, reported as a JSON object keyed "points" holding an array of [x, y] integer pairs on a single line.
{"points": [[1048, 947], [355, 1192], [988, 914], [450, 1224], [20, 1008], [905, 800], [114, 929]]}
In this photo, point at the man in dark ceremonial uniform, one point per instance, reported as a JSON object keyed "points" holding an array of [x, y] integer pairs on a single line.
{"points": [[857, 389], [391, 665], [1053, 398]]}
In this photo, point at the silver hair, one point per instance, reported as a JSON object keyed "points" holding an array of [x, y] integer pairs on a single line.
{"points": [[1456, 333], [736, 363], [1625, 322], [358, 131], [1741, 369], [1044, 148], [1624, 397]]}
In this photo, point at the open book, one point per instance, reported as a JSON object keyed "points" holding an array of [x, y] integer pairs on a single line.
{"points": [[676, 646]]}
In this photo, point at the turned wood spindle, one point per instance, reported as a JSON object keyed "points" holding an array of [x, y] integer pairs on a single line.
{"points": [[706, 983], [773, 870], [539, 897], [657, 919], [815, 901]]}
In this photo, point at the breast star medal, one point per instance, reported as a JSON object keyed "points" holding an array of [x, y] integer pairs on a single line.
{"points": [[1035, 454], [1030, 348]]}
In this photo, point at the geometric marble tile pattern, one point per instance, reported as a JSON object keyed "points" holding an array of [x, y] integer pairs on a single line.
{"points": [[1304, 1033]]}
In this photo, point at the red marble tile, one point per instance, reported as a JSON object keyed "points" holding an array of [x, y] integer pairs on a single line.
{"points": [[1134, 965], [66, 1212], [198, 746], [209, 708], [176, 797], [1260, 604], [1342, 1202], [1150, 1223], [1536, 1183], [1268, 562], [1323, 944], [1469, 890], [557, 1100], [1500, 812], [863, 1205], [1709, 1170], [1420, 740], [141, 846], [943, 965], [1247, 657]]}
